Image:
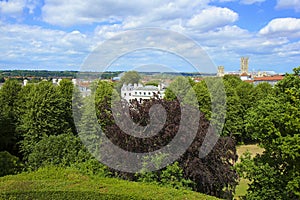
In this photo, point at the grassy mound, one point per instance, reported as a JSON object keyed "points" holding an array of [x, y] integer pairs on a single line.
{"points": [[61, 183]]}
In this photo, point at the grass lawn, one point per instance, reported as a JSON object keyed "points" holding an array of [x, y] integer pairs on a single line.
{"points": [[254, 149], [60, 183]]}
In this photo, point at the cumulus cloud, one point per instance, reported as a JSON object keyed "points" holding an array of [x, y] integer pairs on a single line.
{"points": [[25, 45], [246, 2], [288, 4], [12, 8], [15, 8], [114, 11], [90, 11], [212, 17], [249, 2], [282, 27]]}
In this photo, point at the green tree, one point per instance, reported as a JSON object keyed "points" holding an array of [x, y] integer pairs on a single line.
{"points": [[263, 90], [9, 164], [63, 150], [179, 88], [8, 118], [275, 123], [44, 115], [68, 95], [128, 77]]}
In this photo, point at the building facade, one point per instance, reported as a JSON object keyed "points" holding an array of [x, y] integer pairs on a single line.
{"points": [[139, 92]]}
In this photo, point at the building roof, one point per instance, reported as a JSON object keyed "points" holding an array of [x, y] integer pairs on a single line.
{"points": [[249, 81], [269, 78], [244, 74]]}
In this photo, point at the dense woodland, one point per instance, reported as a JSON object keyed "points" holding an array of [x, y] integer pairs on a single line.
{"points": [[37, 129], [45, 74]]}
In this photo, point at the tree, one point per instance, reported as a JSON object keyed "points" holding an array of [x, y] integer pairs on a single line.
{"points": [[202, 96], [128, 77], [212, 174], [44, 115], [275, 124], [179, 88], [9, 118], [68, 94], [63, 150], [9, 164], [263, 90]]}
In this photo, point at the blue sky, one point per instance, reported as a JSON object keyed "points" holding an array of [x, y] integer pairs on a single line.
{"points": [[60, 34]]}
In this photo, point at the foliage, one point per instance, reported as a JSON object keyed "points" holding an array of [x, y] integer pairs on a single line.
{"points": [[8, 118], [37, 73], [171, 176], [2, 80], [203, 98], [153, 82], [179, 88], [128, 77], [44, 115], [275, 124], [62, 150], [9, 164], [68, 94], [70, 183], [92, 167], [212, 175]]}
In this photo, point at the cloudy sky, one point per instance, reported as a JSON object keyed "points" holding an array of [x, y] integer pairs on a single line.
{"points": [[60, 34]]}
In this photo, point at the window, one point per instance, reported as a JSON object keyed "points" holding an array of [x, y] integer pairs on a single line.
{"points": [[129, 94], [144, 93], [124, 94], [149, 93]]}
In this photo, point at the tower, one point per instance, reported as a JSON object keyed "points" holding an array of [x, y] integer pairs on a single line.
{"points": [[244, 65], [220, 71]]}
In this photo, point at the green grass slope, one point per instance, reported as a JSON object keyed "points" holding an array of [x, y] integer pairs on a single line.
{"points": [[59, 183]]}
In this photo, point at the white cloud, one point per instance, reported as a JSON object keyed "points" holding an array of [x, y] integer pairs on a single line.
{"points": [[288, 4], [246, 2], [282, 27], [249, 2], [12, 8], [89, 11], [27, 45], [15, 8], [115, 11], [212, 17]]}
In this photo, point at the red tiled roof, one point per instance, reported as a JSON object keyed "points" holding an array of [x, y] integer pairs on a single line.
{"points": [[269, 78], [249, 81]]}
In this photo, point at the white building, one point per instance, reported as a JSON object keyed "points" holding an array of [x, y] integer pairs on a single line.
{"points": [[140, 92]]}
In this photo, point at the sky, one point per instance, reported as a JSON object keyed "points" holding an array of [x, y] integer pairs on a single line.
{"points": [[62, 34]]}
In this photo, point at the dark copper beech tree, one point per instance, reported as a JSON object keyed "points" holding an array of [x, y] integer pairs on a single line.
{"points": [[212, 174]]}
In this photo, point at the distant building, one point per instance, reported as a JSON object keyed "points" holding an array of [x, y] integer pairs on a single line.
{"points": [[139, 92], [244, 65], [245, 77], [25, 81], [117, 78], [272, 80], [220, 71]]}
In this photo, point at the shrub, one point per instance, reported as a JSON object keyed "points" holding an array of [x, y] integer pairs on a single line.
{"points": [[9, 164], [61, 150]]}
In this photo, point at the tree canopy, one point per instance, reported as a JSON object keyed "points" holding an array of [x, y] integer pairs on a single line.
{"points": [[275, 124]]}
